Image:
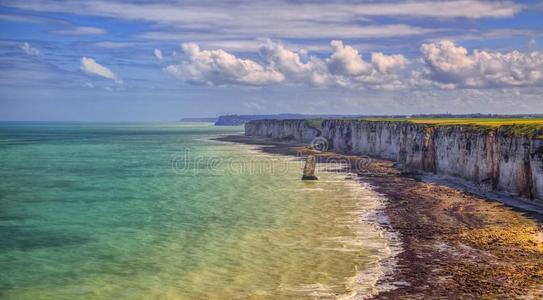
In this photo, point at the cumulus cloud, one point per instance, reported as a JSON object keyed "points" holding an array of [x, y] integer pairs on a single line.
{"points": [[158, 54], [345, 67], [289, 63], [90, 66], [451, 66], [350, 70], [218, 67], [388, 63], [443, 64], [346, 60], [29, 49]]}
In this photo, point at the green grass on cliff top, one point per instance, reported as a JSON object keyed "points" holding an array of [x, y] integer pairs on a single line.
{"points": [[472, 121], [517, 127]]}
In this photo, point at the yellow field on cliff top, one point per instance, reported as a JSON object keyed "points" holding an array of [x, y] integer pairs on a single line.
{"points": [[465, 121], [535, 123], [477, 121], [525, 127], [518, 127]]}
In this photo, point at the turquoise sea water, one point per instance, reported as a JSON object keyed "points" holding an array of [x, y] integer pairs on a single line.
{"points": [[161, 211]]}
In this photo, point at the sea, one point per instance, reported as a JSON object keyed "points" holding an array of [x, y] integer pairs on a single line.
{"points": [[165, 211]]}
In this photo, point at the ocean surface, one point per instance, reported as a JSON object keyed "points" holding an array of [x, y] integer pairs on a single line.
{"points": [[162, 211]]}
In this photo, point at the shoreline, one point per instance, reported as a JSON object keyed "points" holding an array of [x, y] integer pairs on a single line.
{"points": [[455, 243], [367, 282], [384, 266]]}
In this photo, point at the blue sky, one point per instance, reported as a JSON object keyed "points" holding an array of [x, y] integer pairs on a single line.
{"points": [[163, 60]]}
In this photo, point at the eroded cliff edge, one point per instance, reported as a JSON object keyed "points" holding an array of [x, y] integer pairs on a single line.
{"points": [[494, 159]]}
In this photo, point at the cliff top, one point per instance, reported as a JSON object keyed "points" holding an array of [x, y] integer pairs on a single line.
{"points": [[492, 122], [518, 127]]}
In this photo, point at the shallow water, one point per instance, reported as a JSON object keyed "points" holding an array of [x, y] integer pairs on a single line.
{"points": [[160, 211]]}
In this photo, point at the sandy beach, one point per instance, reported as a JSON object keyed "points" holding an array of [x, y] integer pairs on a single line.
{"points": [[455, 244]]}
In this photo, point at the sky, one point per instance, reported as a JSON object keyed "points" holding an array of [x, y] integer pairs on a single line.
{"points": [[119, 60]]}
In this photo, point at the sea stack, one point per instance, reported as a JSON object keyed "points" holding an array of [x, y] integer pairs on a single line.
{"points": [[309, 168]]}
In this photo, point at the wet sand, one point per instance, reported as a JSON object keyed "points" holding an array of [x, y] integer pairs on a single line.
{"points": [[455, 244]]}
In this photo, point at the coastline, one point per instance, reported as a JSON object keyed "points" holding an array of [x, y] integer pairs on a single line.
{"points": [[455, 243], [368, 223], [369, 282]]}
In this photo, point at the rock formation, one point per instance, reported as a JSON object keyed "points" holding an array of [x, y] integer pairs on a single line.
{"points": [[492, 158], [309, 168]]}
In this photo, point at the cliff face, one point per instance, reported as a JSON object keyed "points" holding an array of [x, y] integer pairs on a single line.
{"points": [[492, 159], [297, 130]]}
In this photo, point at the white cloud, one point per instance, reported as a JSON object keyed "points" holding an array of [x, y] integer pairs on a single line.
{"points": [[276, 19], [289, 63], [501, 33], [388, 63], [471, 9], [297, 30], [346, 60], [319, 30], [183, 35], [89, 66], [81, 30], [451, 66], [252, 45], [158, 54], [218, 67], [29, 49], [345, 67], [443, 65], [231, 12]]}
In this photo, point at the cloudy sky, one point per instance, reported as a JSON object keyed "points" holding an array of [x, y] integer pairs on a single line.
{"points": [[162, 60]]}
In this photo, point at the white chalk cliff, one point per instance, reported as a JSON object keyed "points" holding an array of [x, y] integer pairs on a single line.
{"points": [[492, 158]]}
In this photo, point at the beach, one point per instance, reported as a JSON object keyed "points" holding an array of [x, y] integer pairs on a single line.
{"points": [[455, 244]]}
